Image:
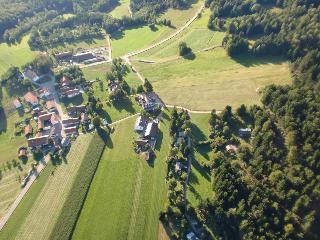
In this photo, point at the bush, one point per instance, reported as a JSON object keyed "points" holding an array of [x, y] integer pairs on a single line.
{"points": [[71, 210]]}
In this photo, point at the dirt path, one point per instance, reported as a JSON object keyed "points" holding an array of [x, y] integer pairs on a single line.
{"points": [[15, 204], [124, 119]]}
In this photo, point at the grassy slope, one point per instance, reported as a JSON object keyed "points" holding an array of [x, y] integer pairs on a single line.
{"points": [[126, 195], [121, 10], [200, 179], [15, 55], [38, 222], [213, 79], [83, 44], [197, 36]]}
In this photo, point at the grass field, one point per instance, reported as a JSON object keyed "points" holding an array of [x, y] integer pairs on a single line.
{"points": [[94, 43], [134, 39], [96, 71], [15, 55], [121, 10], [200, 178], [126, 194], [214, 80], [197, 36], [37, 222]]}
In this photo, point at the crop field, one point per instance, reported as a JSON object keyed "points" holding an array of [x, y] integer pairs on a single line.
{"points": [[197, 36], [15, 55], [121, 10], [39, 220], [135, 39], [214, 80], [200, 178], [126, 194]]}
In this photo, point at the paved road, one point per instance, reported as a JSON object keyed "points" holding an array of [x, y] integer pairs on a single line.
{"points": [[171, 36], [15, 204]]}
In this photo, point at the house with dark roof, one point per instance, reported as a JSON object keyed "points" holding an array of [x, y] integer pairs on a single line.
{"points": [[70, 122], [81, 57], [64, 56], [38, 141], [76, 110], [245, 132], [71, 131], [151, 130]]}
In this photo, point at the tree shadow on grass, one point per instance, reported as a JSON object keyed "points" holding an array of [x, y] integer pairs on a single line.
{"points": [[198, 133], [104, 114], [159, 141], [3, 121], [249, 60], [194, 192], [193, 179], [124, 104], [205, 172], [190, 56], [78, 100]]}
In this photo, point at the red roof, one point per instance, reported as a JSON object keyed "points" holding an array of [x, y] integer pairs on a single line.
{"points": [[31, 97], [28, 130], [50, 104], [38, 141], [70, 121], [54, 118], [43, 118], [17, 103]]}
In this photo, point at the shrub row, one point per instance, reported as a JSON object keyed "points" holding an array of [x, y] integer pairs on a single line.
{"points": [[71, 210]]}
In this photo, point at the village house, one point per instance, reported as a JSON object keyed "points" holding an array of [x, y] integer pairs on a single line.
{"points": [[140, 124], [178, 166], [17, 103], [46, 121], [245, 132], [31, 98], [37, 142], [45, 94], [28, 73], [70, 122], [76, 110], [147, 101], [230, 148], [151, 131], [51, 105], [71, 131], [71, 93], [28, 130], [23, 152], [191, 236]]}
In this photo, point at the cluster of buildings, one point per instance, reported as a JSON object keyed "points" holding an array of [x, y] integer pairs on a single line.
{"points": [[148, 101], [148, 134], [86, 57], [67, 88]]}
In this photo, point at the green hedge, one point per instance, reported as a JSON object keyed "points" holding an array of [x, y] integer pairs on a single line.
{"points": [[71, 210]]}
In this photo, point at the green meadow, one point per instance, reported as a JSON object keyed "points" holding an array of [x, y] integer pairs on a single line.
{"points": [[127, 194]]}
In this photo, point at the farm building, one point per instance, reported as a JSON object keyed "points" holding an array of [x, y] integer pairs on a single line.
{"points": [[64, 56], [17, 103], [38, 141], [31, 98], [82, 57], [140, 124]]}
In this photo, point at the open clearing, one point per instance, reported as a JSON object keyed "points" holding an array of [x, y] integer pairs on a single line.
{"points": [[121, 10], [197, 36], [38, 221], [200, 186], [214, 80], [126, 194], [15, 55]]}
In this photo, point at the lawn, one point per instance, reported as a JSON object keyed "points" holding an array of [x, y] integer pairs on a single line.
{"points": [[197, 36], [200, 178], [15, 55], [37, 222], [126, 194], [121, 10], [92, 43], [96, 71], [135, 39], [214, 80]]}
